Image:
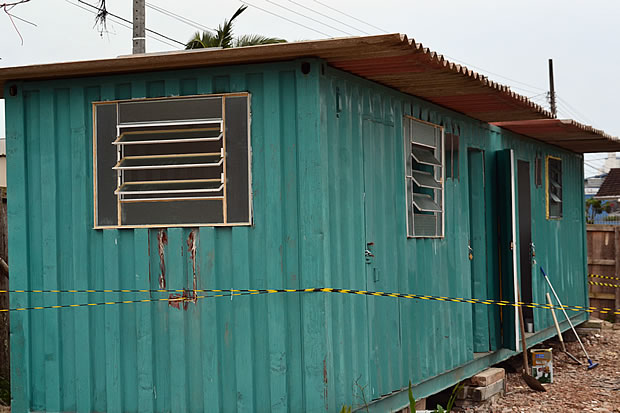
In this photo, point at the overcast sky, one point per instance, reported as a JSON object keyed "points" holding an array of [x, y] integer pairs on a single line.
{"points": [[509, 41]]}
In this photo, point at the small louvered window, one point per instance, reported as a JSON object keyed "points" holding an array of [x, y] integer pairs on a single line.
{"points": [[554, 187], [424, 178], [168, 162]]}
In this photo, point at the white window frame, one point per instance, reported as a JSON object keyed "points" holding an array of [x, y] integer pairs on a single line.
{"points": [[437, 207]]}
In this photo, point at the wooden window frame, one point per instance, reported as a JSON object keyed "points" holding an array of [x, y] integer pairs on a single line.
{"points": [[119, 193]]}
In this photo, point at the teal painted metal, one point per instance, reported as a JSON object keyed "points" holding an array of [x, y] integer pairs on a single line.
{"points": [[477, 249], [327, 180]]}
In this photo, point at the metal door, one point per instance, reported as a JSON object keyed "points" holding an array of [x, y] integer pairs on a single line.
{"points": [[380, 182], [508, 245], [477, 249]]}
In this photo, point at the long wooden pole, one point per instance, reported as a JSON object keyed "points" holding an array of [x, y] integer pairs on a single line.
{"points": [[552, 90]]}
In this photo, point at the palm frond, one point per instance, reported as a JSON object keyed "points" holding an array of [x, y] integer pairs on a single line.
{"points": [[255, 39], [225, 30], [202, 41], [224, 38]]}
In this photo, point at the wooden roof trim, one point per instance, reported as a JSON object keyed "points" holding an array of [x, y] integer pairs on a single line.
{"points": [[340, 53]]}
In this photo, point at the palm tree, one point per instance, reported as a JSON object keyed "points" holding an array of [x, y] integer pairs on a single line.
{"points": [[223, 36]]}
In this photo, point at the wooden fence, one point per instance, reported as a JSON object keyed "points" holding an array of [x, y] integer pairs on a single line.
{"points": [[604, 259]]}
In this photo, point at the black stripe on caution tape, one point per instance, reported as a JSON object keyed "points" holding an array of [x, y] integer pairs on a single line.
{"points": [[191, 295]]}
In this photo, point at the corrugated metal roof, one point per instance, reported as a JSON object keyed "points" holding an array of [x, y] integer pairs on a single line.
{"points": [[392, 60], [565, 133]]}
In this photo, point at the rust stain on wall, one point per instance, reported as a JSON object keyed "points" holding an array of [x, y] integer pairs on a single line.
{"points": [[162, 241], [325, 382], [178, 300], [191, 249]]}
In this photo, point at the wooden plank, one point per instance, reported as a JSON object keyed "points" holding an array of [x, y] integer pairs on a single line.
{"points": [[602, 296], [599, 228], [603, 261]]}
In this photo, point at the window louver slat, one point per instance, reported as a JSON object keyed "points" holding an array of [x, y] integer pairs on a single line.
{"points": [[425, 180], [424, 156], [425, 203]]}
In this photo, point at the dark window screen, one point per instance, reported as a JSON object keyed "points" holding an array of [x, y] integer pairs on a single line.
{"points": [[105, 128], [178, 161]]}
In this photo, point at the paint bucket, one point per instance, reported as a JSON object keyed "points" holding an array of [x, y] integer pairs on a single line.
{"points": [[542, 365]]}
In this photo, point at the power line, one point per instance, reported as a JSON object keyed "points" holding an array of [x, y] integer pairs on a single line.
{"points": [[179, 17], [351, 17], [120, 23], [329, 17], [309, 18], [128, 21], [596, 168], [571, 114], [537, 89], [285, 18], [575, 110]]}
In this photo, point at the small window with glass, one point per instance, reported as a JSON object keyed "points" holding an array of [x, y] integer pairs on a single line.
{"points": [[554, 187]]}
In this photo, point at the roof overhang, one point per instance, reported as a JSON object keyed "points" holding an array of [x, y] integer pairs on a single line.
{"points": [[391, 60], [565, 133]]}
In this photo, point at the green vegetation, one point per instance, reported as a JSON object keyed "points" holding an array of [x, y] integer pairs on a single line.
{"points": [[438, 409], [225, 39], [595, 207], [5, 392]]}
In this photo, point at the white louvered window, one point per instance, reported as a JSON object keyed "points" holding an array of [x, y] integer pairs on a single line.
{"points": [[424, 177]]}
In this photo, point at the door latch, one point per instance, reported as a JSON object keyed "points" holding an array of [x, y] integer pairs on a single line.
{"points": [[470, 250], [368, 253], [532, 253]]}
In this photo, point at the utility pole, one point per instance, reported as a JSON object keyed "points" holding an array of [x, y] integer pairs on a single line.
{"points": [[139, 27], [552, 90]]}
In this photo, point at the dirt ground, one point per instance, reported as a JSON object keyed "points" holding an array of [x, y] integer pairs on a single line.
{"points": [[574, 388]]}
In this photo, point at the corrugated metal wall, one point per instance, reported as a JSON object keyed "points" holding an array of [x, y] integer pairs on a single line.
{"points": [[259, 353], [379, 343], [229, 354]]}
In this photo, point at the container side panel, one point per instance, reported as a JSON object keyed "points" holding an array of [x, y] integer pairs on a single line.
{"points": [[426, 338], [312, 135]]}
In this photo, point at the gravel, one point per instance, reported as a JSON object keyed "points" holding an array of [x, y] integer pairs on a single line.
{"points": [[574, 389]]}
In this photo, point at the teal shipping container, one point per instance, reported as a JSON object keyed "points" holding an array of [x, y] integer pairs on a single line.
{"points": [[368, 163]]}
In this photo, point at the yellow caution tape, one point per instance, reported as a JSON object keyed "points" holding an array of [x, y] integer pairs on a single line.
{"points": [[604, 284], [238, 292], [603, 276]]}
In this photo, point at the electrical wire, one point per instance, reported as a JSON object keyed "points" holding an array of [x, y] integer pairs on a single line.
{"points": [[179, 17], [329, 17], [572, 108], [351, 17], [284, 18], [307, 17], [537, 89], [595, 167], [120, 23], [570, 113], [130, 22]]}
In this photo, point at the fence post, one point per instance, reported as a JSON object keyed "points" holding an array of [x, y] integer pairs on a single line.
{"points": [[617, 272]]}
